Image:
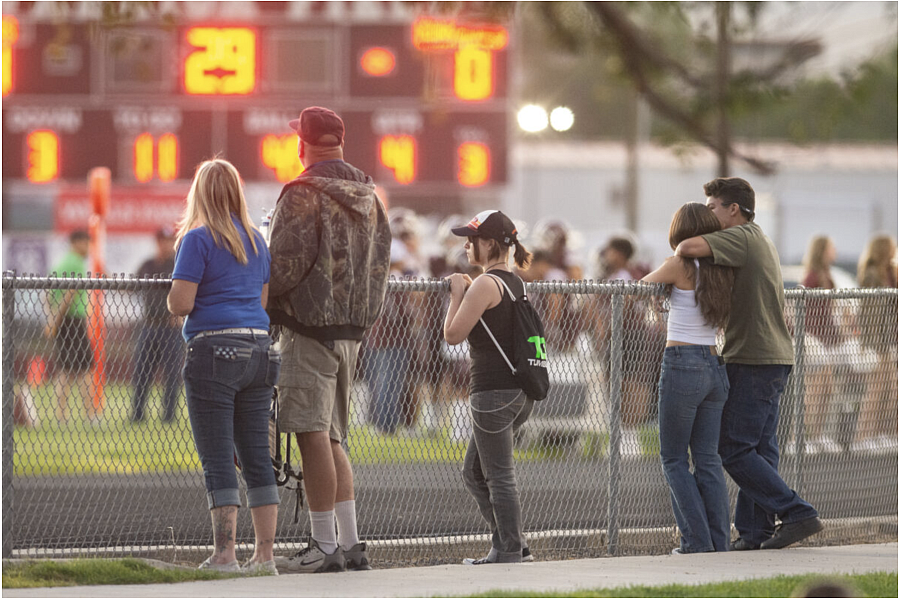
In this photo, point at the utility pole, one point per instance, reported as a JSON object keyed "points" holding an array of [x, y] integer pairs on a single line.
{"points": [[638, 127], [723, 74]]}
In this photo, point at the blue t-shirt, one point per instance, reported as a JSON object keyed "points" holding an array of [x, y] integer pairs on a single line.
{"points": [[228, 293]]}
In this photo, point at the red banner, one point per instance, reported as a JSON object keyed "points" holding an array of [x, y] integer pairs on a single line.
{"points": [[131, 210]]}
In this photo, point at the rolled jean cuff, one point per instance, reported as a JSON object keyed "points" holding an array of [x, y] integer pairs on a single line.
{"points": [[263, 495], [223, 498]]}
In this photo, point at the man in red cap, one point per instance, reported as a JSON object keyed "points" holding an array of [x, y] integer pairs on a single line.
{"points": [[330, 243]]}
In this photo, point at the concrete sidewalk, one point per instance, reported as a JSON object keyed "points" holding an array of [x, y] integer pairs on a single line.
{"points": [[457, 580]]}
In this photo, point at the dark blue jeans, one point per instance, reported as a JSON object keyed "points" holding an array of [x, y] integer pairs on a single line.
{"points": [[693, 387], [229, 381], [385, 372], [749, 450], [157, 348]]}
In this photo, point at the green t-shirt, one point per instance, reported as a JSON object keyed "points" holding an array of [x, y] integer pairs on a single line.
{"points": [[73, 265], [756, 333]]}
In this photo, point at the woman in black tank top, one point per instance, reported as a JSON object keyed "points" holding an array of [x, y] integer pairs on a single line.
{"points": [[498, 406]]}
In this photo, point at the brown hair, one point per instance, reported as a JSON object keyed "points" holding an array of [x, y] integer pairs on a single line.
{"points": [[713, 291], [814, 260], [216, 194], [731, 190], [521, 256]]}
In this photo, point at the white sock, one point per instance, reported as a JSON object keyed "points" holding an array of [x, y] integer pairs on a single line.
{"points": [[322, 523], [345, 512]]}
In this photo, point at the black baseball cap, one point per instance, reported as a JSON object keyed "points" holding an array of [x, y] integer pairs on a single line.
{"points": [[490, 224], [79, 235]]}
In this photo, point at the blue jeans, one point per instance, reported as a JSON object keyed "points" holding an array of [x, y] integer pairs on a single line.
{"points": [[749, 450], [386, 376], [488, 470], [229, 381], [693, 387], [157, 347]]}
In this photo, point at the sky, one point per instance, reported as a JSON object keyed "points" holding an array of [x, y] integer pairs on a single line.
{"points": [[850, 32]]}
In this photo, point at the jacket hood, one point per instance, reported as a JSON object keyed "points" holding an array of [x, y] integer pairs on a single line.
{"points": [[355, 197], [343, 183]]}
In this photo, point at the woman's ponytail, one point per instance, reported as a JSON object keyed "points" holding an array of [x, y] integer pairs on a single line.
{"points": [[522, 257]]}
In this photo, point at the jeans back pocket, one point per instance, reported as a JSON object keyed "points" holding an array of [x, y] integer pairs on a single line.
{"points": [[274, 367], [230, 363]]}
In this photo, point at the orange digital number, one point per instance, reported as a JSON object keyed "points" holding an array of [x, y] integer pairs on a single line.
{"points": [[167, 152], [473, 77], [224, 61], [166, 155], [10, 37], [43, 156], [474, 164], [279, 153], [398, 153], [473, 47]]}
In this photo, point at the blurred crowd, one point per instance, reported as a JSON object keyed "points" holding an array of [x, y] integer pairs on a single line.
{"points": [[850, 398], [849, 347]]}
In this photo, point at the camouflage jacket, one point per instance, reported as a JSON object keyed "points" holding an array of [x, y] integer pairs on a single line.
{"points": [[330, 243]]}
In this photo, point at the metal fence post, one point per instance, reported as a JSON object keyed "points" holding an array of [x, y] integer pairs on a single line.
{"points": [[9, 311], [800, 390], [615, 418]]}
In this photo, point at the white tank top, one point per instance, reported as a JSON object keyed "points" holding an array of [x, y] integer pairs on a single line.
{"points": [[686, 324]]}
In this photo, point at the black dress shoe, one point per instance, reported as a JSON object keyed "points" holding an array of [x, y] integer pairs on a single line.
{"points": [[742, 545], [788, 534]]}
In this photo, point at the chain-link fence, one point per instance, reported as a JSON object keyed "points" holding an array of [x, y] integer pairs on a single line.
{"points": [[98, 457]]}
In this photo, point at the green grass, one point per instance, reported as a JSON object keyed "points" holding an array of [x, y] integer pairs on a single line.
{"points": [[875, 584], [115, 446], [132, 571], [368, 446], [82, 572], [118, 447]]}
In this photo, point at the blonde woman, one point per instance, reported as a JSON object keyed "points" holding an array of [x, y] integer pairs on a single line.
{"points": [[221, 283], [820, 324], [877, 426]]}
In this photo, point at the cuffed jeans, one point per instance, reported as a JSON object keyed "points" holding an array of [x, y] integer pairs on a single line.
{"points": [[488, 470], [693, 387], [229, 381], [749, 450]]}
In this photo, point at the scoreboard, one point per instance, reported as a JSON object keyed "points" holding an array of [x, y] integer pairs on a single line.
{"points": [[424, 101]]}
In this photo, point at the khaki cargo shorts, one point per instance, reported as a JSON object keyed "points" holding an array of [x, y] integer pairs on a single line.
{"points": [[314, 385]]}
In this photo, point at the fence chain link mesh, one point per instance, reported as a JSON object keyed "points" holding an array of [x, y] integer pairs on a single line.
{"points": [[99, 459]]}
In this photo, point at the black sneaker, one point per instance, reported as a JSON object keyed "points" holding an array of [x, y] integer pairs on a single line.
{"points": [[742, 545], [526, 555], [788, 534]]}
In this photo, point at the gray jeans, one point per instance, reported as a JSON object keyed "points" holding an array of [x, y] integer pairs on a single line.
{"points": [[488, 470]]}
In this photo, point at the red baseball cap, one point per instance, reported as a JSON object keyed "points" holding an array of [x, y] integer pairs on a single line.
{"points": [[316, 122]]}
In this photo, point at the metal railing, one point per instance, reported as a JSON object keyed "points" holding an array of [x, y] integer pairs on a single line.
{"points": [[90, 469]]}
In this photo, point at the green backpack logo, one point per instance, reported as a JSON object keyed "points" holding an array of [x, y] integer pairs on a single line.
{"points": [[538, 342]]}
